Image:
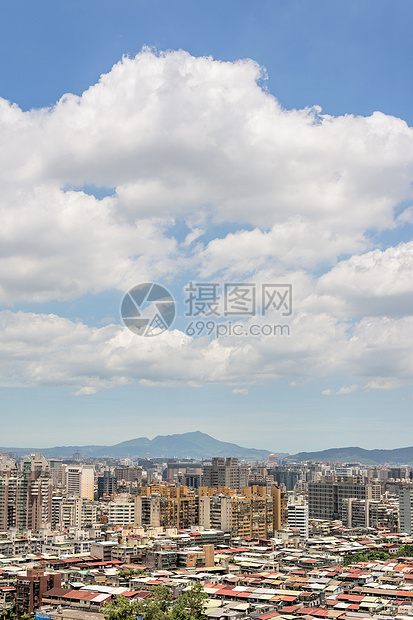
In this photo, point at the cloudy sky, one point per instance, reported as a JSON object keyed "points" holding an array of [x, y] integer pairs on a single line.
{"points": [[227, 143]]}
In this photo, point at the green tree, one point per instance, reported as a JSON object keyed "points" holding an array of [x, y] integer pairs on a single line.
{"points": [[121, 608], [190, 604], [159, 606]]}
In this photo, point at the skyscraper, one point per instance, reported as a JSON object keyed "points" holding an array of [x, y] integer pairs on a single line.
{"points": [[25, 492], [406, 509]]}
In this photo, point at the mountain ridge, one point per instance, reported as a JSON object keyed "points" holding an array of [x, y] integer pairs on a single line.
{"points": [[396, 456], [199, 445], [194, 444]]}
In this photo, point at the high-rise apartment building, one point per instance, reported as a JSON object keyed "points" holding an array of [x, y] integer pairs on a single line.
{"points": [[225, 472], [285, 476], [72, 479], [80, 481], [406, 509], [87, 482], [77, 512], [161, 506], [121, 511], [8, 492], [364, 513], [247, 515], [298, 518], [325, 498], [128, 474], [31, 586], [25, 492], [279, 499], [107, 484]]}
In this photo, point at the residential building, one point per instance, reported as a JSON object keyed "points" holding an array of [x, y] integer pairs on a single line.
{"points": [[248, 515], [364, 513], [30, 587], [107, 484], [25, 494], [279, 507], [225, 472], [77, 512], [161, 506], [121, 511], [406, 509], [325, 498], [80, 481], [298, 518]]}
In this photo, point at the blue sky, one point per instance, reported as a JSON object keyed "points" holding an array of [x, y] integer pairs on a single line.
{"points": [[191, 165], [348, 57]]}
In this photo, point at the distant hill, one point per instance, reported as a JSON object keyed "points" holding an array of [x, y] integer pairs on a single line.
{"points": [[398, 456], [195, 445]]}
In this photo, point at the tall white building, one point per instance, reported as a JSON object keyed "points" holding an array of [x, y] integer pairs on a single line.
{"points": [[87, 482], [298, 518], [406, 509], [80, 481], [121, 511], [77, 512]]}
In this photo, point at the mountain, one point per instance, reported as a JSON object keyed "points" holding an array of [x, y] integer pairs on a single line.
{"points": [[57, 451], [193, 445], [199, 445], [398, 456]]}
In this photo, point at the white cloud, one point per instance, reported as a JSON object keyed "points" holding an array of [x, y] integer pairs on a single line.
{"points": [[242, 391], [345, 389], [374, 283], [85, 391], [56, 244], [177, 136], [198, 140], [297, 242], [48, 350]]}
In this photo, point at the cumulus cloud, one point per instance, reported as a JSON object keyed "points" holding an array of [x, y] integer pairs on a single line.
{"points": [[38, 349], [56, 244], [174, 135], [258, 191], [375, 283], [294, 243]]}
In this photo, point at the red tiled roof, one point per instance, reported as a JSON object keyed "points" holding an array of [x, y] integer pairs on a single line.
{"points": [[137, 593], [56, 592], [313, 611], [350, 597], [78, 595], [103, 563]]}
